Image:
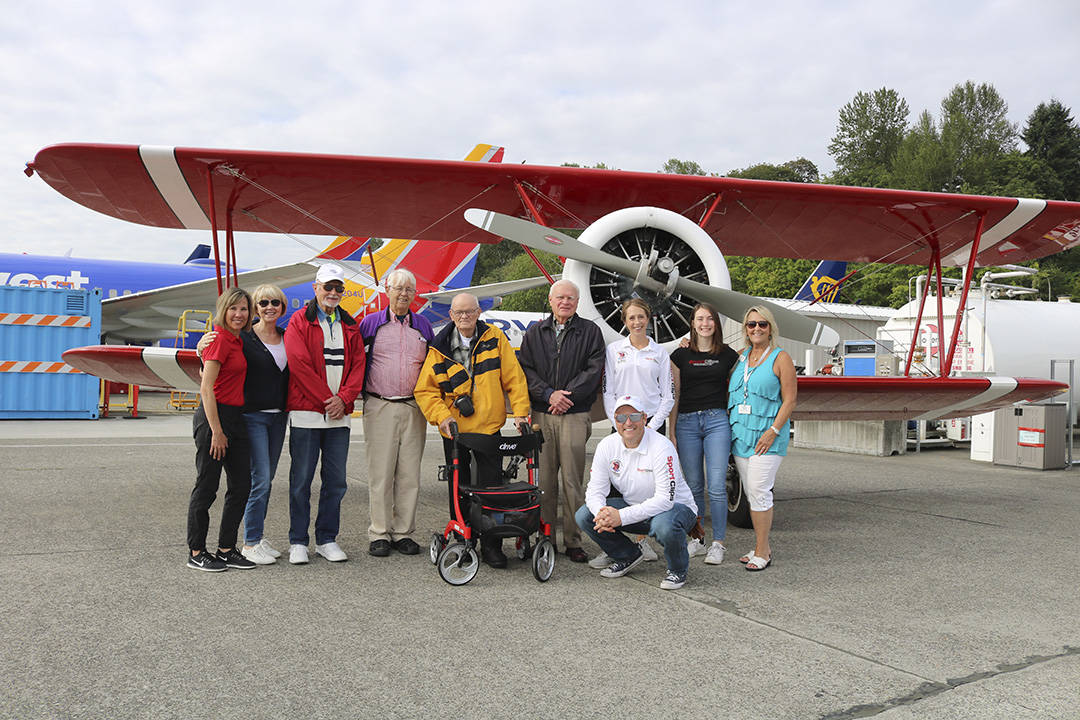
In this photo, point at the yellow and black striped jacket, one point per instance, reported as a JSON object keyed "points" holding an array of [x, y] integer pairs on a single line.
{"points": [[496, 373]]}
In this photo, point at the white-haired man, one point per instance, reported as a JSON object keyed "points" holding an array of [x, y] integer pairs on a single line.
{"points": [[563, 360], [396, 342]]}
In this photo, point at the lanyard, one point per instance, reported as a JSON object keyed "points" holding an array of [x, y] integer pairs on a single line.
{"points": [[746, 373]]}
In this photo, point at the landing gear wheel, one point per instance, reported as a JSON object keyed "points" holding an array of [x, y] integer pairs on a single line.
{"points": [[458, 564], [438, 542], [543, 560], [524, 548], [738, 507]]}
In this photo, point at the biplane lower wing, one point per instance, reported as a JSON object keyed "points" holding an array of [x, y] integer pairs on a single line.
{"points": [[820, 398]]}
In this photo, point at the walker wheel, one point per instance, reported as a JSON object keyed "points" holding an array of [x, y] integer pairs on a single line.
{"points": [[543, 560], [458, 564], [438, 542], [524, 548]]}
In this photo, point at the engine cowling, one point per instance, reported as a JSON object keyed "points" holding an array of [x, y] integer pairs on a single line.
{"points": [[634, 233]]}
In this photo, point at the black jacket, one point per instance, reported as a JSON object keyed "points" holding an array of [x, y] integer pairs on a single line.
{"points": [[265, 386], [578, 366]]}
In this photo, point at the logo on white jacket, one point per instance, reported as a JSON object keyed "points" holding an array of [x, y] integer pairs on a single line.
{"points": [[616, 466]]}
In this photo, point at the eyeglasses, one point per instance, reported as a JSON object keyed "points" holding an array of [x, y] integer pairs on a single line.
{"points": [[402, 289], [334, 287], [465, 313], [763, 324], [632, 417], [273, 301]]}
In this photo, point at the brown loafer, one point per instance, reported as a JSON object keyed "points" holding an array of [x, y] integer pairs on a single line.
{"points": [[577, 555]]}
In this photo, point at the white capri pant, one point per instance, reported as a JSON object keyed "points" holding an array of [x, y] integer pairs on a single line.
{"points": [[757, 474]]}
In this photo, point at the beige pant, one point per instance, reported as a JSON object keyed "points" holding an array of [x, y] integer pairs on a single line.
{"points": [[564, 449], [394, 433]]}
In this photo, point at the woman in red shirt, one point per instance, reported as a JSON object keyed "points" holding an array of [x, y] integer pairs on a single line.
{"points": [[221, 438]]}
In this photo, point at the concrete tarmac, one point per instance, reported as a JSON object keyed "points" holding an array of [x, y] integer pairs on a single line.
{"points": [[919, 586]]}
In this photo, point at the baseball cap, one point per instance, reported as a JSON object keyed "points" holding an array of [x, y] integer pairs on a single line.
{"points": [[329, 272]]}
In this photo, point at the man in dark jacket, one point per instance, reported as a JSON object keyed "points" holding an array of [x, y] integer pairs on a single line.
{"points": [[563, 360]]}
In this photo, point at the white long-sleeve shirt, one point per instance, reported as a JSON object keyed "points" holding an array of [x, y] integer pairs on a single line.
{"points": [[644, 373], [648, 476]]}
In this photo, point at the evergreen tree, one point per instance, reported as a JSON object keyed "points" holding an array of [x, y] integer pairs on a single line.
{"points": [[1053, 137]]}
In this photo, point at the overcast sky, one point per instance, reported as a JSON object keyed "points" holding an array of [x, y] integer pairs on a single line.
{"points": [[630, 84]]}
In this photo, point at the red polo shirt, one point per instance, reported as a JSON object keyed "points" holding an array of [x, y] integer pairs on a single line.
{"points": [[228, 350]]}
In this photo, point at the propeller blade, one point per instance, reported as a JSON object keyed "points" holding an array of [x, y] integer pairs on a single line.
{"points": [[727, 302]]}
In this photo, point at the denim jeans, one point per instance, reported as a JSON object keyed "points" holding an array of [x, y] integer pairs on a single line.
{"points": [[669, 527], [704, 444], [266, 433], [305, 446]]}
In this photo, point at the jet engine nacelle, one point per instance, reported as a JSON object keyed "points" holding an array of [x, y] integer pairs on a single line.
{"points": [[674, 243]]}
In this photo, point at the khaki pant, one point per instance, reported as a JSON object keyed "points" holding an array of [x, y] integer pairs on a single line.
{"points": [[564, 449], [394, 433]]}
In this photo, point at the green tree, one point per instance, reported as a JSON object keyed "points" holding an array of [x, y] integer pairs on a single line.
{"points": [[522, 266], [868, 136], [976, 133], [1053, 137], [674, 166], [921, 162], [797, 170]]}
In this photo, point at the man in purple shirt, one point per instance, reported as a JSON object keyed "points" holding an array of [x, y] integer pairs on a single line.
{"points": [[396, 341]]}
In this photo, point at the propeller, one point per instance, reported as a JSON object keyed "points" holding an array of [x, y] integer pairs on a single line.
{"points": [[727, 302]]}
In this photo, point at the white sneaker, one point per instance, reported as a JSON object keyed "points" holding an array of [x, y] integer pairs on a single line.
{"points": [[268, 549], [298, 554], [646, 550], [601, 561], [715, 556], [695, 547], [331, 551], [257, 555]]}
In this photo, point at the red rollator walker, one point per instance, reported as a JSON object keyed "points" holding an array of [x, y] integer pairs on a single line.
{"points": [[509, 508]]}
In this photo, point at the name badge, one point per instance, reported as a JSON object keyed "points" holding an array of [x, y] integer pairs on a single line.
{"points": [[744, 409]]}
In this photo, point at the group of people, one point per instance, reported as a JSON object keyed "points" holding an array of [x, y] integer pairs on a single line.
{"points": [[677, 419]]}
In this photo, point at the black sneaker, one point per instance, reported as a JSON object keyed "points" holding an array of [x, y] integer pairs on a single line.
{"points": [[621, 567], [205, 561], [234, 559]]}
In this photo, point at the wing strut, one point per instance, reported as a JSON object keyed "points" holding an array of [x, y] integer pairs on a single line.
{"points": [[969, 274], [539, 221], [936, 259]]}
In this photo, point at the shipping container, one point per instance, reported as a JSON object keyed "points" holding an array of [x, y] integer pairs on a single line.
{"points": [[36, 326]]}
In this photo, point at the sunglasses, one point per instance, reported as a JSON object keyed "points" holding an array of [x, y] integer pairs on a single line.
{"points": [[334, 287], [274, 301], [763, 324], [632, 417]]}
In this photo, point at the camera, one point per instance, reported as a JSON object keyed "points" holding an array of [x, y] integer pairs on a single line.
{"points": [[464, 405]]}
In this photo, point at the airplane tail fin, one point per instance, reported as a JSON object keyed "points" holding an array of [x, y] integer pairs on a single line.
{"points": [[201, 252], [821, 286], [346, 248]]}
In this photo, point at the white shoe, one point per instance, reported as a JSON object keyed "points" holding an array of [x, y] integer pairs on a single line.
{"points": [[331, 551], [647, 551], [257, 555], [601, 561], [715, 556], [268, 549], [298, 554], [695, 547]]}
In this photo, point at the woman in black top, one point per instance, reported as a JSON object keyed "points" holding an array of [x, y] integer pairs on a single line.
{"points": [[266, 387], [702, 431]]}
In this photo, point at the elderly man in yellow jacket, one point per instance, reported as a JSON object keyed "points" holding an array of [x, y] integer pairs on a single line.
{"points": [[469, 370]]}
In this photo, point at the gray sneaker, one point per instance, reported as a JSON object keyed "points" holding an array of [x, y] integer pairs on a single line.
{"points": [[601, 561], [715, 555], [620, 567], [646, 550]]}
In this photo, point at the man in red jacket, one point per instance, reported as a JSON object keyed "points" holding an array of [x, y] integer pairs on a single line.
{"points": [[326, 374]]}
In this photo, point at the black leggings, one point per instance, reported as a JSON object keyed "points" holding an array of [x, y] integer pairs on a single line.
{"points": [[237, 465]]}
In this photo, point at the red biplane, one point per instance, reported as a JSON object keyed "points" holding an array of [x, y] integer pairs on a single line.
{"points": [[658, 235]]}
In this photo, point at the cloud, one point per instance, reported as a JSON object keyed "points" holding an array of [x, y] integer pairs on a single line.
{"points": [[630, 84]]}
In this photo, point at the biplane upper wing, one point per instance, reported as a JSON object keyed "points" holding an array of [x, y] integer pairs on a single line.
{"points": [[424, 199]]}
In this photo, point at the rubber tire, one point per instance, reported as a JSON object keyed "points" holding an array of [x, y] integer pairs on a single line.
{"points": [[449, 558], [543, 563], [738, 507]]}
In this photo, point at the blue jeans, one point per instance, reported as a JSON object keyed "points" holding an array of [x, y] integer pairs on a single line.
{"points": [[669, 527], [706, 436], [305, 446], [266, 432]]}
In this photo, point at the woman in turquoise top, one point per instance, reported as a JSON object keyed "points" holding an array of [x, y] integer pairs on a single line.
{"points": [[761, 398]]}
